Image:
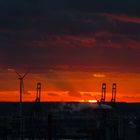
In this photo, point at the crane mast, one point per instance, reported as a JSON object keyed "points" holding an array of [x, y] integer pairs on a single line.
{"points": [[113, 99], [38, 94], [103, 93]]}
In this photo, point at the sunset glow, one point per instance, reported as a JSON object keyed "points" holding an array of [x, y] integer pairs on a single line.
{"points": [[71, 47], [70, 86], [92, 101]]}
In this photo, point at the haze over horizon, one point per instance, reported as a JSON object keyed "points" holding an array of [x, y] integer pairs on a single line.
{"points": [[71, 47]]}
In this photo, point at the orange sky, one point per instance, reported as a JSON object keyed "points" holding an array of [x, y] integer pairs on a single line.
{"points": [[70, 86], [71, 47], [71, 52]]}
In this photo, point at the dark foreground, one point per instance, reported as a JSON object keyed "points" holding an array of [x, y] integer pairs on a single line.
{"points": [[70, 121]]}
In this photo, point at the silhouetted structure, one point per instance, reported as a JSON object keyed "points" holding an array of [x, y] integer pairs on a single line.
{"points": [[37, 109], [77, 121], [38, 93], [113, 99], [93, 122], [103, 96], [49, 127], [20, 104]]}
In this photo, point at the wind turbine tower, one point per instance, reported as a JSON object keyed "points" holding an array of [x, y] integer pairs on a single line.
{"points": [[21, 87]]}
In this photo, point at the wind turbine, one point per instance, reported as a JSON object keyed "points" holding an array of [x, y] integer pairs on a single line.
{"points": [[21, 78]]}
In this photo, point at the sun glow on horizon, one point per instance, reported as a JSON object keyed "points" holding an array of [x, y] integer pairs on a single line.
{"points": [[89, 101], [92, 101], [67, 86]]}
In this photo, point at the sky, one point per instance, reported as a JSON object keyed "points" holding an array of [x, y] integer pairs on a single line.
{"points": [[71, 47]]}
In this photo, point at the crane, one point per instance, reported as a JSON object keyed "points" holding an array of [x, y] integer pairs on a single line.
{"points": [[38, 94], [103, 93], [113, 99]]}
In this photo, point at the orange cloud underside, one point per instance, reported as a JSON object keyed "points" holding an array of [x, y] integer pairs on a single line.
{"points": [[72, 86]]}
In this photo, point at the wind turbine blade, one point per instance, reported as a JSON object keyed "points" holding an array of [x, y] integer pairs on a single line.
{"points": [[23, 87], [17, 73], [25, 74]]}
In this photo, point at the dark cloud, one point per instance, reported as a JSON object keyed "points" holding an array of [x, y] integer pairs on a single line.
{"points": [[123, 18], [72, 50], [52, 94], [45, 34]]}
